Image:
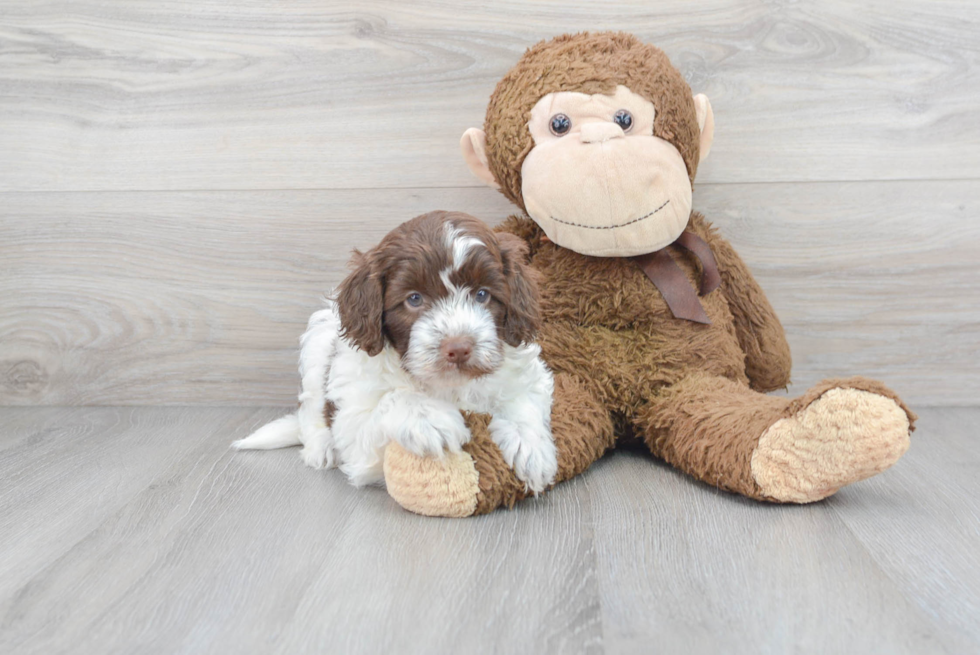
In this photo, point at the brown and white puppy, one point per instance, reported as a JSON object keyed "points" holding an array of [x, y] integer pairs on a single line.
{"points": [[439, 317]]}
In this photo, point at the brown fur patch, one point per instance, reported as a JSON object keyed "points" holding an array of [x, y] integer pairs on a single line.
{"points": [[329, 410], [411, 258], [708, 427]]}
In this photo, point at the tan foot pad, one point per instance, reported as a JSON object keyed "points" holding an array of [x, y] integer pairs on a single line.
{"points": [[844, 436], [430, 486]]}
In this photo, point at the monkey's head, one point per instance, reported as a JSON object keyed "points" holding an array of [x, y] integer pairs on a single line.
{"points": [[598, 139]]}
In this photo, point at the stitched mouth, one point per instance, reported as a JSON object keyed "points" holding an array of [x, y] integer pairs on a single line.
{"points": [[612, 227]]}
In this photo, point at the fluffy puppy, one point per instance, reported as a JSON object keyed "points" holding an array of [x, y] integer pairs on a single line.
{"points": [[439, 317]]}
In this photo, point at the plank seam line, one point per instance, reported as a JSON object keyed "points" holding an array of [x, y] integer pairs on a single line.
{"points": [[11, 192]]}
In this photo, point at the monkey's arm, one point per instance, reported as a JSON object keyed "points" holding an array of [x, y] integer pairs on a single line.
{"points": [[767, 356]]}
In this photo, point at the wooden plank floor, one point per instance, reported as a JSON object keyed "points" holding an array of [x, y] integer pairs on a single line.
{"points": [[127, 530]]}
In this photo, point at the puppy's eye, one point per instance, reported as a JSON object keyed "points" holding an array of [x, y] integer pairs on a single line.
{"points": [[560, 124], [482, 296], [624, 119], [414, 300]]}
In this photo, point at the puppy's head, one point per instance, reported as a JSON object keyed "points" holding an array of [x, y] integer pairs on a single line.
{"points": [[445, 292]]}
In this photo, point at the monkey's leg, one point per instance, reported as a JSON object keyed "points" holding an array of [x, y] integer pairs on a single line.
{"points": [[778, 449], [478, 481]]}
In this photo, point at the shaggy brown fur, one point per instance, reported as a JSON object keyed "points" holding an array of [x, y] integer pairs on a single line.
{"points": [[607, 327], [691, 392]]}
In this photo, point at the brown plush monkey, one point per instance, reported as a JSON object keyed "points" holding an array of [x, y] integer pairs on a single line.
{"points": [[654, 327]]}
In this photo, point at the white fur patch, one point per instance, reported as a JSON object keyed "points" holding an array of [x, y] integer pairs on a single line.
{"points": [[318, 347], [459, 246], [457, 315]]}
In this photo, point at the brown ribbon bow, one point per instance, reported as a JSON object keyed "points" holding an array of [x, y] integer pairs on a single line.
{"points": [[674, 286]]}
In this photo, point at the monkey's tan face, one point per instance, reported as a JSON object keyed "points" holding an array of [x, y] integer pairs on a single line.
{"points": [[598, 181]]}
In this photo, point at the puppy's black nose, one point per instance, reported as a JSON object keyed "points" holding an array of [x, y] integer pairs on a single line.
{"points": [[457, 350]]}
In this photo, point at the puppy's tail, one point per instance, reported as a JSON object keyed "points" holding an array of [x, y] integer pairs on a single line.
{"points": [[278, 434]]}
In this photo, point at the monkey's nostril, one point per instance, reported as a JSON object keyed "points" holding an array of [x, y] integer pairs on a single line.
{"points": [[600, 132]]}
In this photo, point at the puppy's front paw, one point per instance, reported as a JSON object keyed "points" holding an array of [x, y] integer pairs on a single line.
{"points": [[318, 450], [315, 457], [529, 450], [434, 433]]}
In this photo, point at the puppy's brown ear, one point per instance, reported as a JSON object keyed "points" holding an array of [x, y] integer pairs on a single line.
{"points": [[360, 301], [524, 309]]}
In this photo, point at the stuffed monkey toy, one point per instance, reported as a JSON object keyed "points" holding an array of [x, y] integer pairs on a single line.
{"points": [[654, 328]]}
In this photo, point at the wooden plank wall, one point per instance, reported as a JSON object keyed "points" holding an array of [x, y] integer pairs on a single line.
{"points": [[180, 180]]}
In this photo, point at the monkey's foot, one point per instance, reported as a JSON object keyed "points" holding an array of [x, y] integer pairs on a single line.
{"points": [[430, 486], [475, 481], [844, 436]]}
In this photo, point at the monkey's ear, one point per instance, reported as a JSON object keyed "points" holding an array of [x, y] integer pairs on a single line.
{"points": [[474, 147], [360, 302], [706, 123]]}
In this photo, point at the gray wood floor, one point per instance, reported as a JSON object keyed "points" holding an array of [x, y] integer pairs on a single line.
{"points": [[127, 530]]}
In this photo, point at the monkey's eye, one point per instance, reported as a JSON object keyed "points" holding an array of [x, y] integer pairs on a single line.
{"points": [[482, 296], [560, 124], [414, 299], [624, 119]]}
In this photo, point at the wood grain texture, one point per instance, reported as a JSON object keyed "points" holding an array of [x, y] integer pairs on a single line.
{"points": [[153, 298], [870, 570], [693, 568], [65, 474], [222, 551], [177, 298], [136, 530], [888, 512], [203, 94], [875, 279]]}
